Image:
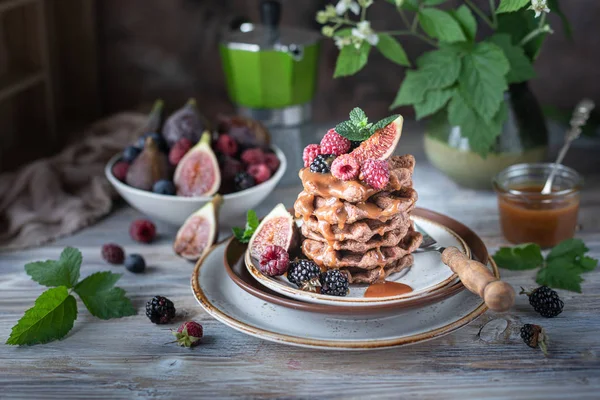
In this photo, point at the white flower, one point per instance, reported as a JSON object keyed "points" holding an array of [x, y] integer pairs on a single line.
{"points": [[539, 6], [342, 42], [344, 5], [363, 31]]}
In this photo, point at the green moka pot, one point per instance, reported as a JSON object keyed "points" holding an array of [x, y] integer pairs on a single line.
{"points": [[271, 72]]}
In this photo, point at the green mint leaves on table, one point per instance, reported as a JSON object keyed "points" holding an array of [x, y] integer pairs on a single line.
{"points": [[244, 234], [358, 128], [55, 310], [561, 269]]}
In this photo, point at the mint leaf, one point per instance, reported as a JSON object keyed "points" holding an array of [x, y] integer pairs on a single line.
{"points": [[352, 132], [518, 258], [434, 100], [569, 247], [101, 298], [392, 50], [467, 21], [252, 222], [521, 69], [382, 123], [439, 24], [439, 68], [557, 275], [351, 60], [51, 318], [511, 5], [482, 79], [62, 272], [358, 117], [238, 233]]}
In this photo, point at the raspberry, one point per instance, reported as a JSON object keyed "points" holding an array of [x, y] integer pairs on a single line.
{"points": [[345, 167], [253, 156], [160, 310], [375, 173], [178, 150], [243, 181], [272, 161], [274, 260], [227, 145], [119, 170], [229, 167], [322, 163], [113, 253], [545, 301], [334, 283], [334, 143], [305, 274], [534, 336], [189, 334], [309, 154], [142, 230], [260, 172]]}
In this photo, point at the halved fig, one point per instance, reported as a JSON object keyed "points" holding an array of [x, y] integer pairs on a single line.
{"points": [[382, 144], [277, 228], [199, 231], [197, 174]]}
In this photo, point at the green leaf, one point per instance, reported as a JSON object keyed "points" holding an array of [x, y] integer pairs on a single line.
{"points": [[519, 25], [412, 90], [358, 117], [351, 60], [521, 69], [51, 318], [252, 222], [101, 298], [556, 276], [439, 24], [482, 79], [433, 2], [439, 68], [586, 264], [352, 132], [62, 272], [519, 258], [554, 6], [511, 5], [569, 247], [467, 21], [434, 100], [383, 123], [392, 50]]}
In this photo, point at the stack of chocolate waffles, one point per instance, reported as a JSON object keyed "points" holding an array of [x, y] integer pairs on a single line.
{"points": [[364, 232]]}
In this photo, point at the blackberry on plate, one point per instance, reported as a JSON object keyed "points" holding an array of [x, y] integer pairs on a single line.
{"points": [[545, 301], [243, 181], [160, 310], [322, 163], [334, 283], [304, 274], [534, 336]]}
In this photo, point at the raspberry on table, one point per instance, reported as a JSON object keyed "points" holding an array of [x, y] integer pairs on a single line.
{"points": [[272, 161], [305, 274], [545, 301], [345, 167], [113, 253], [334, 143], [227, 145], [274, 260], [260, 172], [142, 230], [179, 150], [189, 334], [309, 154], [375, 173], [160, 310], [119, 170], [334, 283], [253, 156], [322, 163]]}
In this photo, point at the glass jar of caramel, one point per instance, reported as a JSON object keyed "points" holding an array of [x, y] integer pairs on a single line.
{"points": [[527, 215]]}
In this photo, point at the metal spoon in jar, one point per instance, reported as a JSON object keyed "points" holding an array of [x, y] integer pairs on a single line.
{"points": [[580, 116]]}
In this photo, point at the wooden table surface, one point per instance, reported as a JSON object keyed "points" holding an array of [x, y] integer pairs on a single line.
{"points": [[130, 357]]}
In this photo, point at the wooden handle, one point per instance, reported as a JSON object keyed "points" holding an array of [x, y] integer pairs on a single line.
{"points": [[498, 295]]}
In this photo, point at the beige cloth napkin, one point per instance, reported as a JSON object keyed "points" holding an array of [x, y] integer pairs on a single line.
{"points": [[57, 196]]}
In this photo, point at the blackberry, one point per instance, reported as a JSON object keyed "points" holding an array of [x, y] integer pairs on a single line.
{"points": [[304, 274], [545, 301], [334, 283], [534, 337], [354, 144], [160, 310], [243, 181], [322, 163]]}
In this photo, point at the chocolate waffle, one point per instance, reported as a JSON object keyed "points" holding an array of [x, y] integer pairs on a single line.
{"points": [[357, 275]]}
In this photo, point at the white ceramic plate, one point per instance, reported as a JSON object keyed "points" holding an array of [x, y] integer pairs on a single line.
{"points": [[228, 303], [428, 274]]}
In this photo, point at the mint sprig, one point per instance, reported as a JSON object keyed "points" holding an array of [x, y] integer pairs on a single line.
{"points": [[244, 234], [358, 128], [561, 269], [55, 310]]}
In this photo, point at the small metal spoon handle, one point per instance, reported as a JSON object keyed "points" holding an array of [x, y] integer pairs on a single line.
{"points": [[580, 116]]}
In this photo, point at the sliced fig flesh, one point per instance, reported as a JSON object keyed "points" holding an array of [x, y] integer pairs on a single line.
{"points": [[382, 144], [198, 173], [199, 232], [277, 228]]}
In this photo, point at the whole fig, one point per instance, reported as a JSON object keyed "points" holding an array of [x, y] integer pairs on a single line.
{"points": [[186, 122], [248, 132], [149, 167]]}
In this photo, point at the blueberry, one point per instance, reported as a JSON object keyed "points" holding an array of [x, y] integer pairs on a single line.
{"points": [[135, 263], [130, 153], [164, 187], [158, 139], [243, 181]]}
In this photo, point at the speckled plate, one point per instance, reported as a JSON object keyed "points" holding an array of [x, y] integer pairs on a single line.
{"points": [[227, 302], [426, 276]]}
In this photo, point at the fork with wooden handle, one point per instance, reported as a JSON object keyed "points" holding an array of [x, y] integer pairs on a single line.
{"points": [[497, 295]]}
